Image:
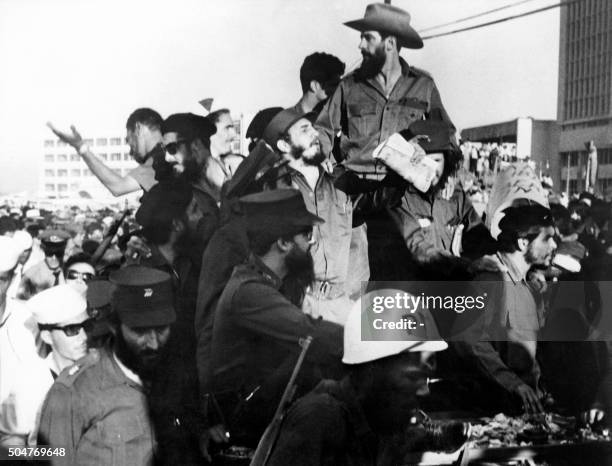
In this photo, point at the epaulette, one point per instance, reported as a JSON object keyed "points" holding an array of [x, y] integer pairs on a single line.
{"points": [[420, 71], [68, 376]]}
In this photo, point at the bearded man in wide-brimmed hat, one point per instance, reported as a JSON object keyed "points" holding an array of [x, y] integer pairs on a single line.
{"points": [[384, 96]]}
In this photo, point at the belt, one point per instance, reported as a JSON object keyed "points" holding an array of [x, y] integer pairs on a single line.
{"points": [[323, 289]]}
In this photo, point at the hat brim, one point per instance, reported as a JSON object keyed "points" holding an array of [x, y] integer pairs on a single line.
{"points": [[407, 37], [153, 318]]}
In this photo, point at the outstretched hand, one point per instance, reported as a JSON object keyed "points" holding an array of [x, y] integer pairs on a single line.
{"points": [[75, 140]]}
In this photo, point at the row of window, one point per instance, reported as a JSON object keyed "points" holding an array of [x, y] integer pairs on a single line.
{"points": [[576, 186], [76, 172], [604, 157], [114, 157], [99, 142]]}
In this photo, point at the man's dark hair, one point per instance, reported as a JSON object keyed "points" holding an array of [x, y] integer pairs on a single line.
{"points": [[144, 116], [320, 67], [216, 115], [523, 221], [7, 225], [78, 258]]}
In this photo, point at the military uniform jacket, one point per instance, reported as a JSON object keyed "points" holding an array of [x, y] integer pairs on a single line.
{"points": [[98, 415], [365, 116]]}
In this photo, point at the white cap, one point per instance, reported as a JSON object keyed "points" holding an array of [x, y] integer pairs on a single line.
{"points": [[358, 351], [32, 213], [567, 262], [23, 240], [9, 253], [57, 304]]}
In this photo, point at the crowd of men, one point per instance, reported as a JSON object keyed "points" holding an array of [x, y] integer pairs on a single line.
{"points": [[166, 335]]}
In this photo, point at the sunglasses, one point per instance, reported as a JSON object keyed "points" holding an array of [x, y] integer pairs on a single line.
{"points": [[70, 330], [74, 275], [172, 148]]}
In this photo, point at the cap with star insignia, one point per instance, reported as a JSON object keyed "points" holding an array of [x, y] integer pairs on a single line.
{"points": [[143, 297]]}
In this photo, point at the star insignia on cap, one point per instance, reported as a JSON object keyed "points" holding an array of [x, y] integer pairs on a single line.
{"points": [[148, 292]]}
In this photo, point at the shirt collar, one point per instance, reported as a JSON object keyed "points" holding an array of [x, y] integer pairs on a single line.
{"points": [[127, 372], [257, 264]]}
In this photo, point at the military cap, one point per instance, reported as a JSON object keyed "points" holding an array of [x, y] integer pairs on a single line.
{"points": [[9, 253], [260, 122], [189, 125], [143, 297], [165, 201], [54, 237], [279, 211], [440, 135], [99, 296], [57, 304], [281, 122]]}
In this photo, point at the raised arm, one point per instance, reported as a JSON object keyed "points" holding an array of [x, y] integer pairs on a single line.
{"points": [[115, 183]]}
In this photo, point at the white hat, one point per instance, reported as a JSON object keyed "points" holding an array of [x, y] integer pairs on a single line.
{"points": [[32, 213], [358, 351], [9, 253], [23, 240], [57, 304]]}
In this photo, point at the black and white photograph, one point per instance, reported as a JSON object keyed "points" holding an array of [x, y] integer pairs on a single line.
{"points": [[306, 232]]}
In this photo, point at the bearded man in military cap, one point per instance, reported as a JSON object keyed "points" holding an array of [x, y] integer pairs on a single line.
{"points": [[256, 327], [98, 408]]}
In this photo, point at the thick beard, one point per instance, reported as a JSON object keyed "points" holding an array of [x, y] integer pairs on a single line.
{"points": [[314, 160], [372, 64], [300, 275], [135, 362]]}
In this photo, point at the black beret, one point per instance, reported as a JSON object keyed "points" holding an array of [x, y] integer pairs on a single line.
{"points": [[524, 217], [189, 126]]}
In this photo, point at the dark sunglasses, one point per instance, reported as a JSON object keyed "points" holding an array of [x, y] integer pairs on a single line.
{"points": [[172, 148], [74, 275], [70, 330], [308, 233]]}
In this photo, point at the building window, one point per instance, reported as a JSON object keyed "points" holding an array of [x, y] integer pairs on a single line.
{"points": [[75, 172], [126, 157], [86, 172], [88, 141], [62, 173], [49, 187], [49, 158], [49, 173], [74, 157], [104, 156], [61, 143], [116, 157], [101, 142], [62, 158], [49, 143], [74, 186], [115, 141], [62, 187]]}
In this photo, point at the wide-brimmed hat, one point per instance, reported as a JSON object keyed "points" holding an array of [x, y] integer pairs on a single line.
{"points": [[390, 20]]}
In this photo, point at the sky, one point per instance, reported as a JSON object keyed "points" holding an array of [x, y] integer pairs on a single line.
{"points": [[91, 62]]}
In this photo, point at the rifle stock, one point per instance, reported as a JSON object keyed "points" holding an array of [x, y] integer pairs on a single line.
{"points": [[268, 439]]}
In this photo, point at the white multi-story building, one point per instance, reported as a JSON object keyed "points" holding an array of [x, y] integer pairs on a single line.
{"points": [[63, 174]]}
